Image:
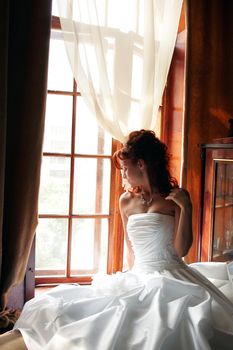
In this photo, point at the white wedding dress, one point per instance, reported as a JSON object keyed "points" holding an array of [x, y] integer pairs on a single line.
{"points": [[161, 304]]}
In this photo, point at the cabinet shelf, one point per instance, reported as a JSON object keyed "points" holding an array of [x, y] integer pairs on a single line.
{"points": [[225, 205], [224, 201], [224, 256]]}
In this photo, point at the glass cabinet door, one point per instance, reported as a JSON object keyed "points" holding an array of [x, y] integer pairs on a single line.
{"points": [[223, 212]]}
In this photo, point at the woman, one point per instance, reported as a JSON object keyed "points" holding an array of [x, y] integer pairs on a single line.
{"points": [[160, 303], [144, 165]]}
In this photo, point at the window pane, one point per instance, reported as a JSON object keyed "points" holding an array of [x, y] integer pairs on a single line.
{"points": [[223, 217], [91, 186], [90, 138], [58, 124], [54, 186], [89, 246], [51, 242], [54, 9], [60, 76]]}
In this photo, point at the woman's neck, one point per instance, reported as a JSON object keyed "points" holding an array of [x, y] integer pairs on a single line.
{"points": [[148, 190]]}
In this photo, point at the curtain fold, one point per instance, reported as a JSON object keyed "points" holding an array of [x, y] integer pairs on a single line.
{"points": [[3, 74], [24, 89], [120, 53]]}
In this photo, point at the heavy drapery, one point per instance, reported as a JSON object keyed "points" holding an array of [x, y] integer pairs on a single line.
{"points": [[24, 59], [120, 53]]}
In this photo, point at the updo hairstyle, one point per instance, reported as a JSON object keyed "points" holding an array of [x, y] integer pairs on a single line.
{"points": [[145, 145]]}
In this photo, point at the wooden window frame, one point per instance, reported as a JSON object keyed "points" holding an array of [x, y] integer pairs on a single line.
{"points": [[115, 234]]}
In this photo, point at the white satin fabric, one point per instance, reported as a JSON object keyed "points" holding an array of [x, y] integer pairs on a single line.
{"points": [[162, 304]]}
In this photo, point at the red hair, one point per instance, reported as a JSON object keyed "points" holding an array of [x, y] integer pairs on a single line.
{"points": [[145, 145]]}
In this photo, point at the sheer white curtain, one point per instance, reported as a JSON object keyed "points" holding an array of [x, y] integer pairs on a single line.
{"points": [[120, 52]]}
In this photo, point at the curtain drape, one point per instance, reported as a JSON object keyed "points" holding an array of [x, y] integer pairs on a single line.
{"points": [[120, 53], [24, 57]]}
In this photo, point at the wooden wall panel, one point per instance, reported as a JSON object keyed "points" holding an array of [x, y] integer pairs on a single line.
{"points": [[172, 114], [209, 90]]}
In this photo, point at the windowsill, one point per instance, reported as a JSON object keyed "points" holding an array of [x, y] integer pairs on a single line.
{"points": [[43, 289]]}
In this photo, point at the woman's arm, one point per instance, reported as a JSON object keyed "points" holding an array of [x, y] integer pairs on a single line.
{"points": [[183, 221], [130, 254]]}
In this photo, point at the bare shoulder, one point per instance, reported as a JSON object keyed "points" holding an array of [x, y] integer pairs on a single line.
{"points": [[125, 202], [161, 205], [184, 191], [168, 206], [181, 198], [125, 198]]}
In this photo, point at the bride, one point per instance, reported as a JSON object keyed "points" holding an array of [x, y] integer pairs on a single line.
{"points": [[160, 303]]}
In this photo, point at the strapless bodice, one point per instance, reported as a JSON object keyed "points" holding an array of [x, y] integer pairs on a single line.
{"points": [[151, 236]]}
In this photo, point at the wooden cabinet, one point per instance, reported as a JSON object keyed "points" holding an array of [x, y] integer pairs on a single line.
{"points": [[217, 201]]}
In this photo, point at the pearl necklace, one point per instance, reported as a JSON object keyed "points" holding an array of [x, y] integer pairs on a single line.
{"points": [[144, 201]]}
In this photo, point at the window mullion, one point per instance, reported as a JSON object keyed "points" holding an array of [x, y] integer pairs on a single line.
{"points": [[72, 165], [98, 200], [116, 235], [115, 245]]}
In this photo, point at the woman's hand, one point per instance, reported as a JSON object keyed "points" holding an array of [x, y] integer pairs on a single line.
{"points": [[181, 197]]}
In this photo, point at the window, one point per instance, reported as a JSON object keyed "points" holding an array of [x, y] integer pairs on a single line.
{"points": [[78, 212]]}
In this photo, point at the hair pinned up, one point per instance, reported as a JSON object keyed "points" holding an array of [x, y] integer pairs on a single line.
{"points": [[144, 144]]}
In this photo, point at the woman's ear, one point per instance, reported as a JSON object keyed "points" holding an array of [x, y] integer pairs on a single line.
{"points": [[141, 164]]}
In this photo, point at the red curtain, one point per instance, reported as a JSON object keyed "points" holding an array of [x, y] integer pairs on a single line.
{"points": [[25, 32]]}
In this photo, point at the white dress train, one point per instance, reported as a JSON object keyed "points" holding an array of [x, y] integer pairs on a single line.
{"points": [[161, 304]]}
